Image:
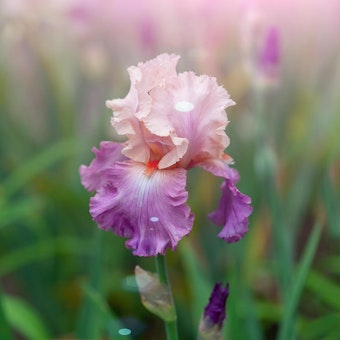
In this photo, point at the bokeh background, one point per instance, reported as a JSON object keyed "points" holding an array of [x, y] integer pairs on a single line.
{"points": [[63, 278]]}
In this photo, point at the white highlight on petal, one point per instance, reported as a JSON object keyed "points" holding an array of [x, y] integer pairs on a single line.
{"points": [[184, 106], [154, 219]]}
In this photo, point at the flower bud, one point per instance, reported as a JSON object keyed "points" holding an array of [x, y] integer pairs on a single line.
{"points": [[211, 324], [156, 296]]}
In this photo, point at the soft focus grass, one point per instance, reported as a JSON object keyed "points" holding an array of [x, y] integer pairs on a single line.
{"points": [[63, 278]]}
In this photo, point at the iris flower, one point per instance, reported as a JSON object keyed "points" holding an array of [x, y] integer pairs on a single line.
{"points": [[172, 123]]}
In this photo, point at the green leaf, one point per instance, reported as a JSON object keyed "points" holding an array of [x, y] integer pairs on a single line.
{"points": [[332, 264], [325, 289], [18, 210], [293, 296], [331, 203], [36, 164], [24, 319], [5, 331], [95, 317], [200, 286], [41, 250], [105, 320], [321, 327], [268, 311]]}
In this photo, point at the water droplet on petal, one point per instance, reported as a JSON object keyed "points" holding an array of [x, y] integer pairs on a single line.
{"points": [[184, 106], [154, 219], [124, 331]]}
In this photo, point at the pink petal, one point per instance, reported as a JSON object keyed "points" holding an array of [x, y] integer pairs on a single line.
{"points": [[193, 108], [94, 176], [149, 209], [156, 72], [126, 123], [234, 207], [128, 112]]}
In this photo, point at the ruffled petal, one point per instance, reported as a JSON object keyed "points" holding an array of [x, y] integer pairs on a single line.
{"points": [[94, 176], [233, 212], [153, 73], [176, 119], [129, 111], [148, 208], [191, 107], [234, 207], [126, 123]]}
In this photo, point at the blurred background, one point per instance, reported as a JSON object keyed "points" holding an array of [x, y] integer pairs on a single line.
{"points": [[63, 278]]}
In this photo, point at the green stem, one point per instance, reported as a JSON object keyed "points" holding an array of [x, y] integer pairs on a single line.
{"points": [[170, 326]]}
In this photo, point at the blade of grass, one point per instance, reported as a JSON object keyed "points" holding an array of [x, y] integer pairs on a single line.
{"points": [[252, 323], [107, 320], [265, 166], [24, 319], [268, 311], [235, 328], [280, 238], [5, 331], [324, 289], [331, 204], [90, 323], [321, 327], [292, 300], [41, 250], [199, 285], [280, 234], [95, 317], [241, 301], [18, 210], [332, 264], [36, 164], [298, 195]]}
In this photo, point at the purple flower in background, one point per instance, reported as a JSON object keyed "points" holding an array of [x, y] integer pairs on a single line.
{"points": [[269, 55], [214, 313], [172, 123]]}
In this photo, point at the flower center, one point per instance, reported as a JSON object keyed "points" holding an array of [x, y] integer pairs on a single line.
{"points": [[152, 164], [150, 167]]}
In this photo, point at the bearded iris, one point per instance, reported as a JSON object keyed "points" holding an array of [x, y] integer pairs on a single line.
{"points": [[172, 123]]}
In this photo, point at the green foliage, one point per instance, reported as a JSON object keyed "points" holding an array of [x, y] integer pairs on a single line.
{"points": [[23, 319]]}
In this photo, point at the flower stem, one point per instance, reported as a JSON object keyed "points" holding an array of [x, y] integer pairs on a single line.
{"points": [[170, 326]]}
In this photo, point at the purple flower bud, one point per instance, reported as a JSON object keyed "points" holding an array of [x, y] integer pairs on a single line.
{"points": [[214, 313], [215, 310]]}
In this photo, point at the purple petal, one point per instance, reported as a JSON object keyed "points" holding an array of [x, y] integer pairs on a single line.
{"points": [[215, 310], [94, 176], [234, 207], [232, 212], [149, 209]]}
